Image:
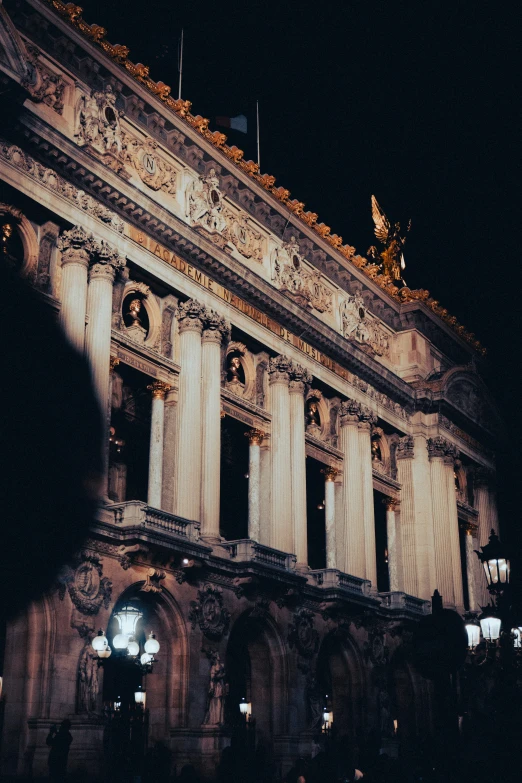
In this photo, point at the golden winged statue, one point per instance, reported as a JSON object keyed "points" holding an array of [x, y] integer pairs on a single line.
{"points": [[391, 259]]}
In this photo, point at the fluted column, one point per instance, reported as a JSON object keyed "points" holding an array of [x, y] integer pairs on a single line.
{"points": [[366, 419], [409, 546], [188, 472], [352, 506], [157, 425], [392, 504], [255, 438], [99, 310], [441, 524], [330, 475], [215, 330], [453, 523], [281, 533], [471, 558], [482, 500], [299, 380], [77, 247]]}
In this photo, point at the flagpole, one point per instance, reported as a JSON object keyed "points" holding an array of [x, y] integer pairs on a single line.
{"points": [[180, 65], [258, 152]]}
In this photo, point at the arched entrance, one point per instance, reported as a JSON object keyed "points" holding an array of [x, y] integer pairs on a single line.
{"points": [[340, 679], [256, 669], [132, 729]]}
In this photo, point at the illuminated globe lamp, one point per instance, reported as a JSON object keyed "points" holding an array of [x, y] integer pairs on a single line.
{"points": [[99, 642], [496, 564], [490, 624], [140, 697], [245, 708], [152, 645], [133, 647], [472, 629]]}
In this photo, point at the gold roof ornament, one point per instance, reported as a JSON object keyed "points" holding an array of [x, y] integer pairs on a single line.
{"points": [[388, 258], [391, 259]]}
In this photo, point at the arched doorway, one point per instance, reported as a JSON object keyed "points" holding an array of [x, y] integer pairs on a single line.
{"points": [[340, 679], [256, 668], [132, 729]]}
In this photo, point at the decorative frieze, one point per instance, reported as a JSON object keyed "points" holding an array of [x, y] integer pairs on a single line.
{"points": [[52, 181], [97, 127]]}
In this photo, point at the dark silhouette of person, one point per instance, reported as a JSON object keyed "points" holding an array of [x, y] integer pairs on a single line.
{"points": [[51, 434], [59, 740]]}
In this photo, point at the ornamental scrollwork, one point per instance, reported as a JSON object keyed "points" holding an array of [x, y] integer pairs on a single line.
{"points": [[149, 165], [302, 634], [209, 612], [86, 585], [43, 85], [303, 286]]}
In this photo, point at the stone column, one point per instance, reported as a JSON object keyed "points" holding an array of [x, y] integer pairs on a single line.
{"points": [[450, 456], [441, 522], [330, 475], [157, 424], [281, 534], [405, 475], [215, 331], [77, 247], [188, 471], [366, 419], [99, 310], [470, 530], [299, 380], [353, 520], [392, 504], [483, 501], [255, 438]]}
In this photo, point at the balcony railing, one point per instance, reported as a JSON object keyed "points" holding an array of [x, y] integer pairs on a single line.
{"points": [[137, 513], [245, 550], [332, 578], [406, 602]]}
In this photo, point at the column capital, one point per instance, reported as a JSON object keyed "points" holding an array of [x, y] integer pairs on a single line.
{"points": [[159, 389], [102, 272], [367, 417], [330, 473], [109, 256], [405, 447], [300, 378], [76, 246], [350, 410], [215, 327], [440, 448], [279, 369], [468, 527], [255, 437], [391, 504], [190, 316]]}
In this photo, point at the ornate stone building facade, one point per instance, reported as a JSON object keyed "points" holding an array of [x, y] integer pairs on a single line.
{"points": [[298, 452]]}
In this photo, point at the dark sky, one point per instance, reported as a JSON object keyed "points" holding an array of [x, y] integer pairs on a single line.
{"points": [[413, 101]]}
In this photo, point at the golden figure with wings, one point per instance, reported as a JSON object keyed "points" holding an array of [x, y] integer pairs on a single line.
{"points": [[391, 259]]}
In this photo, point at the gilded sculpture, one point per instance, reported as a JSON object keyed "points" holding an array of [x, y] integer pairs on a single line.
{"points": [[390, 260]]}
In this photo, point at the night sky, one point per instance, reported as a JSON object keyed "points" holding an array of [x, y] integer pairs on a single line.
{"points": [[412, 101]]}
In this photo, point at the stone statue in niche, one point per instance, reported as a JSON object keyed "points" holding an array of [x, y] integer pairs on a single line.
{"points": [[88, 683], [217, 691], [135, 329], [235, 375], [313, 420], [376, 450]]}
